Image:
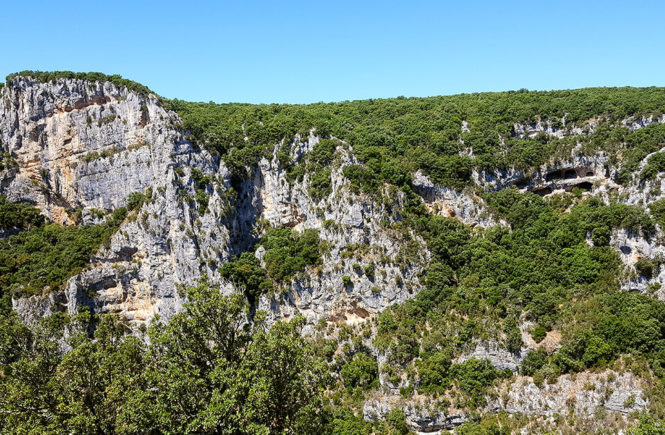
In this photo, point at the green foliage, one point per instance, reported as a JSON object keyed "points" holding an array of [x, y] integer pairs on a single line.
{"points": [[344, 422], [52, 76], [321, 186], [533, 361], [474, 376], [513, 335], [106, 120], [433, 371], [396, 420], [540, 332], [490, 424], [645, 267], [655, 165], [648, 426], [247, 275], [657, 209], [287, 252], [18, 215], [392, 138], [106, 153], [638, 145], [135, 200], [623, 323], [47, 255], [201, 183], [206, 371], [362, 371]]}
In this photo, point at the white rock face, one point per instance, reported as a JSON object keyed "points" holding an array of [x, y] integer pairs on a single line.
{"points": [[87, 146], [451, 203], [498, 356], [421, 414], [343, 220], [582, 394]]}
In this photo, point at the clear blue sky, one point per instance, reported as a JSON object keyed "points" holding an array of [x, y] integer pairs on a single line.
{"points": [[307, 51]]}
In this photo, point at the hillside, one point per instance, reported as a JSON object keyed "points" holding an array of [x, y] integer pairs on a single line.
{"points": [[488, 262]]}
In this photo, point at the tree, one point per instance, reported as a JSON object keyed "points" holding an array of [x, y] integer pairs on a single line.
{"points": [[362, 371], [208, 370]]}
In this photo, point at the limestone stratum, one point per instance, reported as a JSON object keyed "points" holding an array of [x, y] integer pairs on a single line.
{"points": [[477, 263]]}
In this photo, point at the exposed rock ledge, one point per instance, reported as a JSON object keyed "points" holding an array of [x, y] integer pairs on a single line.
{"points": [[582, 393]]}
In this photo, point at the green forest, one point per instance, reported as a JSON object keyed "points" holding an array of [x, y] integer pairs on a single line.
{"points": [[395, 137]]}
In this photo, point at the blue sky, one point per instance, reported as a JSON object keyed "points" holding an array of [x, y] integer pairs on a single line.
{"points": [[307, 51]]}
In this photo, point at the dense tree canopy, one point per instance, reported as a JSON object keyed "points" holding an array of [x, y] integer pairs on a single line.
{"points": [[206, 371], [446, 137]]}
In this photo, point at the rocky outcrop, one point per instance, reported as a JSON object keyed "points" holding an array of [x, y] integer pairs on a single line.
{"points": [[78, 145], [421, 413], [588, 173], [85, 146], [464, 206], [357, 232], [581, 393], [497, 355]]}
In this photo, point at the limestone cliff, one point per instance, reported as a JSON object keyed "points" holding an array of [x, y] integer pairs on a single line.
{"points": [[82, 147]]}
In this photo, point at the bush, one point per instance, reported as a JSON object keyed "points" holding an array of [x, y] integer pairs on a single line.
{"points": [[18, 215], [135, 200], [288, 252], [362, 371], [246, 273], [474, 376], [539, 333], [533, 361], [645, 267], [52, 76], [433, 371], [396, 420]]}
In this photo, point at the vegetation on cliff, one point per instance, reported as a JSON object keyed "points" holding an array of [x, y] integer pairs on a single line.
{"points": [[44, 256], [286, 252], [52, 76], [446, 137]]}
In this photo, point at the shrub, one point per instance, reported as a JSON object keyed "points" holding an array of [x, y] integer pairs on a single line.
{"points": [[362, 371], [533, 361], [19, 215], [645, 267], [47, 255], [396, 420], [52, 76], [433, 371], [539, 333], [474, 376], [135, 200]]}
